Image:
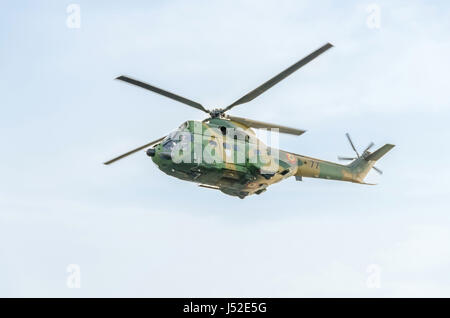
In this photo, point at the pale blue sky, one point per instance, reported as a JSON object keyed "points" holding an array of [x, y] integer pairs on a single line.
{"points": [[137, 232]]}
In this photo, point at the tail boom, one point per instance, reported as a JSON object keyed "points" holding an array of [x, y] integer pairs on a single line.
{"points": [[355, 172]]}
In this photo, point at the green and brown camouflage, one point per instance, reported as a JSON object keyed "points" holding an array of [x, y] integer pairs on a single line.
{"points": [[240, 164]]}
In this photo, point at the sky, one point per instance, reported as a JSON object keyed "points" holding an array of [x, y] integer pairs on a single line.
{"points": [[72, 227]]}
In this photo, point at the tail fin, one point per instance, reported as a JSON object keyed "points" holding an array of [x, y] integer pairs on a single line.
{"points": [[361, 166], [376, 155]]}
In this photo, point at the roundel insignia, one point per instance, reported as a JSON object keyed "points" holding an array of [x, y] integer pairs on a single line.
{"points": [[291, 158]]}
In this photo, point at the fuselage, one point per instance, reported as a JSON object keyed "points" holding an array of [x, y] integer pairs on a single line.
{"points": [[227, 156]]}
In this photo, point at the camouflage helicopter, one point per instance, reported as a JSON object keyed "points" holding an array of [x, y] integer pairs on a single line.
{"points": [[223, 152]]}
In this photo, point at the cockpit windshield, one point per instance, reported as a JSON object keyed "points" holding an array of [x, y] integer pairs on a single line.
{"points": [[177, 134], [175, 137], [168, 144]]}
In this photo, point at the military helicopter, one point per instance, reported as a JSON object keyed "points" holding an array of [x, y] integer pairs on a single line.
{"points": [[222, 152]]}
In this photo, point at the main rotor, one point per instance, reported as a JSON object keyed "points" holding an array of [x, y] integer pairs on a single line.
{"points": [[217, 113], [220, 112]]}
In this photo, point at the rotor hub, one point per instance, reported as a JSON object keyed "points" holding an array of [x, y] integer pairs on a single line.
{"points": [[217, 113]]}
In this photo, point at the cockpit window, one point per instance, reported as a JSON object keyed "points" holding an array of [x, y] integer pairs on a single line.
{"points": [[176, 137], [173, 135], [183, 126], [169, 144]]}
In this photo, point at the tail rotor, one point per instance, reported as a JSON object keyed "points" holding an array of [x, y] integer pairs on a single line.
{"points": [[365, 153]]}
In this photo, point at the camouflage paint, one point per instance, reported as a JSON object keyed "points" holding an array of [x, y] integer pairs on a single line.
{"points": [[249, 176]]}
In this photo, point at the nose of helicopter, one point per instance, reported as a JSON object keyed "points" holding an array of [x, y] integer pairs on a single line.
{"points": [[151, 152], [159, 153]]}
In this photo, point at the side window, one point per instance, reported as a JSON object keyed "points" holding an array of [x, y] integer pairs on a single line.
{"points": [[228, 146], [213, 144]]}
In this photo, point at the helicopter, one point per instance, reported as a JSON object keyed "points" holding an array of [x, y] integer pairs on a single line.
{"points": [[223, 152]]}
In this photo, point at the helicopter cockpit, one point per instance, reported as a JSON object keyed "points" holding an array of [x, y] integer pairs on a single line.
{"points": [[175, 137]]}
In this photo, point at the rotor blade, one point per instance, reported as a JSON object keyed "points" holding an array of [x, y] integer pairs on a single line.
{"points": [[368, 147], [278, 78], [260, 124], [351, 143], [134, 150], [163, 92], [346, 158], [377, 170]]}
